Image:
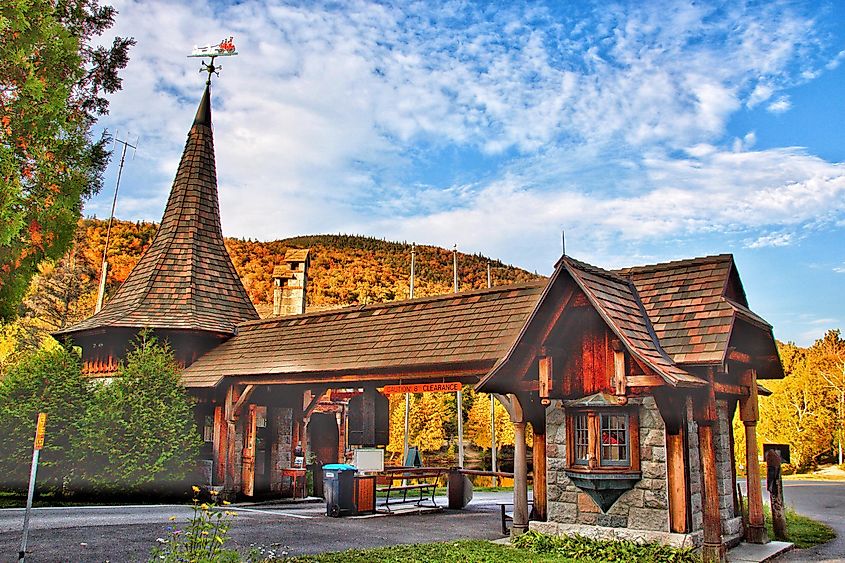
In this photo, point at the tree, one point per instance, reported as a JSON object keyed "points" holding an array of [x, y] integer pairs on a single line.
{"points": [[428, 412], [828, 359], [478, 423], [44, 381], [52, 83], [800, 412], [142, 434]]}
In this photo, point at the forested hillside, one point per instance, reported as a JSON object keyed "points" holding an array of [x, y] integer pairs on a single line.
{"points": [[345, 270]]}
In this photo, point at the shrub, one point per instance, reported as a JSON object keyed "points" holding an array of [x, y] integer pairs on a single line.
{"points": [[43, 381], [143, 436], [580, 547]]}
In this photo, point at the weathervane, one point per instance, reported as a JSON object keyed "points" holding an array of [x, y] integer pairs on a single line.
{"points": [[225, 48]]}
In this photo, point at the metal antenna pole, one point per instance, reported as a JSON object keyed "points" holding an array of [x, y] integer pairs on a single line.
{"points": [[563, 241], [455, 265], [413, 266], [101, 293]]}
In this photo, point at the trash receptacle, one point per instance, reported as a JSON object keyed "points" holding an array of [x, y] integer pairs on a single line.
{"points": [[339, 488]]}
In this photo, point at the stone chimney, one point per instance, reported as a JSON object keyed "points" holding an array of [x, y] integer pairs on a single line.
{"points": [[290, 283]]}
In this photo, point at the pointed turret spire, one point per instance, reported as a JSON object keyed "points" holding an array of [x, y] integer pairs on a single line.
{"points": [[203, 116], [186, 279]]}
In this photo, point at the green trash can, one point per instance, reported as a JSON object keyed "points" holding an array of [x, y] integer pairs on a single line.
{"points": [[339, 489]]}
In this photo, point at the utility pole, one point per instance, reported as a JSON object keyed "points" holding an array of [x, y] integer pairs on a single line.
{"points": [[492, 402], [101, 292], [408, 395]]}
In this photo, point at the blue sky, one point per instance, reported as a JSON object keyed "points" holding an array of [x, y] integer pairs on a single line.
{"points": [[649, 131]]}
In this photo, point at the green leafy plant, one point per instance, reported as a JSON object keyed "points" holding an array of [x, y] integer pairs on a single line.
{"points": [[580, 547], [145, 438], [47, 381], [203, 539]]}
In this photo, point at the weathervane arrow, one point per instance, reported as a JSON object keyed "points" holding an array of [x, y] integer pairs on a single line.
{"points": [[225, 48]]}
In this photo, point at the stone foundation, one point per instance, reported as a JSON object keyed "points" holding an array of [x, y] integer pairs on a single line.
{"points": [[645, 507]]}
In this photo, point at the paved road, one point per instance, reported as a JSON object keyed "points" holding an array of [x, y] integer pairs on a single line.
{"points": [[823, 501], [820, 500], [128, 533]]}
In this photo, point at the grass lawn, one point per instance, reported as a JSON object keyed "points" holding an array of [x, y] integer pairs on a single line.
{"points": [[463, 551], [802, 531]]}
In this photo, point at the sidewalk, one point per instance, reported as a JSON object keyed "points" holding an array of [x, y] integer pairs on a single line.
{"points": [[757, 553]]}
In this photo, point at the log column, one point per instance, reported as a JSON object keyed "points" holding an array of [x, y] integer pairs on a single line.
{"points": [[712, 550], [539, 461], [520, 480], [520, 463], [749, 414]]}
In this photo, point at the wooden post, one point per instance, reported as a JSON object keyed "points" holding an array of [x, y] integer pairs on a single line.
{"points": [[749, 413], [229, 477], [712, 549], [676, 477], [248, 455], [539, 460], [520, 464], [520, 480], [774, 484], [219, 445]]}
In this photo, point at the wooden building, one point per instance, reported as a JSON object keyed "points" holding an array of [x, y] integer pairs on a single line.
{"points": [[630, 378]]}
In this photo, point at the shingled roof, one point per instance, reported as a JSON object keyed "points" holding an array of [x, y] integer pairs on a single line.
{"points": [[185, 280], [617, 301], [473, 328], [691, 304]]}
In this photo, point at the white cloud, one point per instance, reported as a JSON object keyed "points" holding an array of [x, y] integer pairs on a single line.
{"points": [[839, 269], [323, 120], [771, 239], [781, 105]]}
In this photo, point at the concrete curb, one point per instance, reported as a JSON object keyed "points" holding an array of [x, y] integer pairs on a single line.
{"points": [[758, 552]]}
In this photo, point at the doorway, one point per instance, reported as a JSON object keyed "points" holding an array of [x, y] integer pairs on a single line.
{"points": [[323, 440]]}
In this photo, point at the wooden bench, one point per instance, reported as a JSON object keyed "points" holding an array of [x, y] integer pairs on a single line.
{"points": [[507, 515], [397, 480]]}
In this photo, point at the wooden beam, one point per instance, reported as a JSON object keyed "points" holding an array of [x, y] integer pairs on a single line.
{"points": [[241, 400], [331, 380], [645, 381], [741, 357], [315, 400], [620, 382], [546, 377], [730, 389]]}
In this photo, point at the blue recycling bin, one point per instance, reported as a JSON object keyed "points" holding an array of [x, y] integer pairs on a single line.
{"points": [[339, 489]]}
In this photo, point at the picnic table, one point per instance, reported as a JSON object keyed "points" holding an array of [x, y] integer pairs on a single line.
{"points": [[422, 481]]}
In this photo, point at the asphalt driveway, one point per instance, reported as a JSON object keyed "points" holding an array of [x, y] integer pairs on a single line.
{"points": [[128, 533]]}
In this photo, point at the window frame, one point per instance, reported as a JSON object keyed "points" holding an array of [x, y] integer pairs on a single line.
{"points": [[594, 461]]}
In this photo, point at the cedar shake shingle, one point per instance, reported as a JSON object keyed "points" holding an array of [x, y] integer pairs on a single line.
{"points": [[470, 328], [185, 280]]}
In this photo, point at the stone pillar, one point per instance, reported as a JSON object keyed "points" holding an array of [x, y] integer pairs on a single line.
{"points": [[520, 480]]}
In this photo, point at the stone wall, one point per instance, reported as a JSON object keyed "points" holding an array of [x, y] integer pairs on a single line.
{"points": [[696, 484], [645, 507], [281, 448]]}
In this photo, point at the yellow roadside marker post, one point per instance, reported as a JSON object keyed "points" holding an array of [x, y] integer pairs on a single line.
{"points": [[36, 450]]}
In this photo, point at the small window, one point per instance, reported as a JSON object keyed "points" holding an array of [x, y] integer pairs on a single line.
{"points": [[614, 439], [602, 439], [582, 439]]}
